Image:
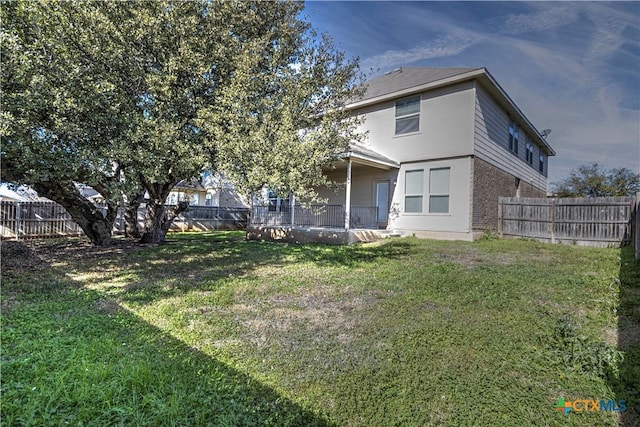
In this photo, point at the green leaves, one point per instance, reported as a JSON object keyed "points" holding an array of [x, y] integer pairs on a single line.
{"points": [[593, 181], [123, 95]]}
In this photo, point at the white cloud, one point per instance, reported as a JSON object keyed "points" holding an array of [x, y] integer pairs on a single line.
{"points": [[547, 17], [562, 74], [446, 45]]}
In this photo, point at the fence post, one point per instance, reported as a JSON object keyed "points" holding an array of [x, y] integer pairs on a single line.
{"points": [[553, 220], [18, 211], [635, 217], [500, 205]]}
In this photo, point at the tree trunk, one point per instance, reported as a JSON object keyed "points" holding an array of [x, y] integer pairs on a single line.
{"points": [[158, 218], [96, 226], [153, 220], [131, 228]]}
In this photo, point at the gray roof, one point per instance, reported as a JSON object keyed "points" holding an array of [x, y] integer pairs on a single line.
{"points": [[408, 77], [407, 80], [361, 151]]}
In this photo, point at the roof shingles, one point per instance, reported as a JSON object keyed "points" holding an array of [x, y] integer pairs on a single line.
{"points": [[408, 77]]}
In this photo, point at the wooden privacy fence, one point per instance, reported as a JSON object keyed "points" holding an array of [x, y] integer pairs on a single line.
{"points": [[593, 221], [34, 220], [636, 225]]}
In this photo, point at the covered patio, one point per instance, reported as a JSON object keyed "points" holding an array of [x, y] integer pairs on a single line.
{"points": [[361, 217]]}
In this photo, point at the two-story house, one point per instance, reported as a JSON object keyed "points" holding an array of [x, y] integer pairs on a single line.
{"points": [[443, 144]]}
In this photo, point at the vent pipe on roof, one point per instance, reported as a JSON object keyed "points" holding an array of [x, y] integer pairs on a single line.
{"points": [[395, 70]]}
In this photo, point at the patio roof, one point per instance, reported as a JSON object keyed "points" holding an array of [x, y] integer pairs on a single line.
{"points": [[366, 156]]}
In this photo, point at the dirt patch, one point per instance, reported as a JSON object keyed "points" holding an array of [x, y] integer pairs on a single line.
{"points": [[40, 254], [317, 314], [9, 302], [108, 306], [471, 259], [627, 334], [18, 257], [82, 250]]}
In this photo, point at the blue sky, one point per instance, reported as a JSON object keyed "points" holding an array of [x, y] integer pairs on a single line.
{"points": [[573, 68]]}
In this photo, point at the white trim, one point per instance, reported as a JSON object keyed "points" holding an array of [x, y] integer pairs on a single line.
{"points": [[347, 206], [482, 75]]}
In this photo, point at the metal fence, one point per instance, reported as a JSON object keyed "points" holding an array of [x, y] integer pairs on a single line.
{"points": [[320, 216], [593, 221], [20, 220], [204, 218], [34, 220]]}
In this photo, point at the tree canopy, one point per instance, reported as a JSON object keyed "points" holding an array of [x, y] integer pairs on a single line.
{"points": [[594, 181], [133, 97]]}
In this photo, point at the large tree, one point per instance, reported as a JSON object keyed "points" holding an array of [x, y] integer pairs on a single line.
{"points": [[594, 181], [133, 97]]}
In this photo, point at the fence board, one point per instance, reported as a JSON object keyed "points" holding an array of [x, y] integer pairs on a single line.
{"points": [[636, 225], [599, 221], [34, 220]]}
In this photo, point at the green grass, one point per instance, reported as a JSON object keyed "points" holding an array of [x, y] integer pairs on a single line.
{"points": [[210, 329]]}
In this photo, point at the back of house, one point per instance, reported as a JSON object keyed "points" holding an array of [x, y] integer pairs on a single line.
{"points": [[442, 145]]}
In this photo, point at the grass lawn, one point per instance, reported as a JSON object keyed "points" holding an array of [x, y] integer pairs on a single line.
{"points": [[210, 329]]}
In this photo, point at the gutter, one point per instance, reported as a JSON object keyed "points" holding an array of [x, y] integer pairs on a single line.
{"points": [[480, 74]]}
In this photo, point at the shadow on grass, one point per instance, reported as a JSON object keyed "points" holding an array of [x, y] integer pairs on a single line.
{"points": [[143, 274], [627, 385], [74, 356]]}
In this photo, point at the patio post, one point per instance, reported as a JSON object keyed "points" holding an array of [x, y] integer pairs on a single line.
{"points": [[347, 214]]}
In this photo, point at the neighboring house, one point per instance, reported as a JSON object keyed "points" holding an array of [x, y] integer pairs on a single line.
{"points": [[20, 193], [442, 146], [209, 190]]}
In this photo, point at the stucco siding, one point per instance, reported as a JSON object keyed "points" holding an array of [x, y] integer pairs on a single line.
{"points": [[446, 126], [363, 181], [456, 220], [492, 142]]}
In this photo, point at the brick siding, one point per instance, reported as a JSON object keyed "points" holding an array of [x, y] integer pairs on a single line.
{"points": [[489, 184]]}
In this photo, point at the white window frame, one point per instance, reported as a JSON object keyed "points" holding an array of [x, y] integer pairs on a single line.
{"points": [[417, 98], [440, 194], [419, 195], [514, 137], [529, 153]]}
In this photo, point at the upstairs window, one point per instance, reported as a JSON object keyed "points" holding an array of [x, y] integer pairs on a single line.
{"points": [[530, 153], [413, 191], [541, 164], [439, 190], [408, 115], [514, 136]]}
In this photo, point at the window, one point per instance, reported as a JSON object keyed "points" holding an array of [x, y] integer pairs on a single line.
{"points": [[408, 115], [541, 164], [514, 136], [439, 190], [278, 204], [530, 153], [413, 191]]}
